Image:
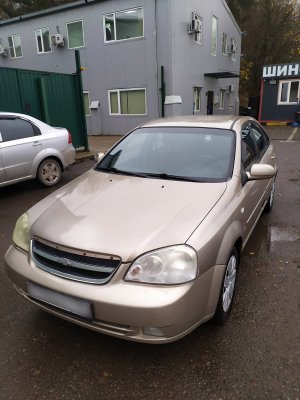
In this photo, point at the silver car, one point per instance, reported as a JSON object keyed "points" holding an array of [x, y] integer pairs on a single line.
{"points": [[30, 149], [146, 245]]}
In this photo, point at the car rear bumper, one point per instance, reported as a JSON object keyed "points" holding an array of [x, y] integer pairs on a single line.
{"points": [[131, 311], [69, 156]]}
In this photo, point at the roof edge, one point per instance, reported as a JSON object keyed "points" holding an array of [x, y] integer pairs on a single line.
{"points": [[231, 16]]}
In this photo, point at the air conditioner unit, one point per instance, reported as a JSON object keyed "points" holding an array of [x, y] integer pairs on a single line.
{"points": [[195, 25], [3, 51], [58, 39], [231, 89], [232, 48]]}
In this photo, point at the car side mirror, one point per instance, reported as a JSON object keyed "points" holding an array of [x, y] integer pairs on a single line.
{"points": [[261, 171], [98, 156]]}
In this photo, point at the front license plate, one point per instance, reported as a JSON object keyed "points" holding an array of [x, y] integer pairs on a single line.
{"points": [[70, 304]]}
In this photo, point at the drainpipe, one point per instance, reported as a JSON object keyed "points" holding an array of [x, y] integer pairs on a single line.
{"points": [[162, 88], [162, 91], [80, 97]]}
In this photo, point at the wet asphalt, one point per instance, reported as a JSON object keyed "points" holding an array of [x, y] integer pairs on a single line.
{"points": [[254, 356]]}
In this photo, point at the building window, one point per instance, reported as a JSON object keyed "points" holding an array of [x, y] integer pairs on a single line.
{"points": [[86, 100], [15, 47], [288, 92], [75, 34], [197, 99], [127, 102], [233, 49], [124, 25], [198, 33], [222, 99], [42, 37], [224, 44], [214, 35]]}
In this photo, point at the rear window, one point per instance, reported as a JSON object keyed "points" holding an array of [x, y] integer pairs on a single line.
{"points": [[199, 154]]}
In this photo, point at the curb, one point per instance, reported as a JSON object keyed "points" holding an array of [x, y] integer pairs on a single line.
{"points": [[81, 156], [276, 123]]}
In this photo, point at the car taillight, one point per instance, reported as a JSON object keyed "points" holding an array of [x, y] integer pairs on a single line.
{"points": [[69, 138]]}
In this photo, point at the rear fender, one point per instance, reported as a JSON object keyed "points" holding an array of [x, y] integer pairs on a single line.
{"points": [[47, 153]]}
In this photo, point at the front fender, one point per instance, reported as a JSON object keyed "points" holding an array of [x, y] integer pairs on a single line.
{"points": [[231, 236], [233, 233]]}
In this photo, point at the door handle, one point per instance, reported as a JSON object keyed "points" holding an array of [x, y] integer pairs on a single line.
{"points": [[273, 156], [37, 143]]}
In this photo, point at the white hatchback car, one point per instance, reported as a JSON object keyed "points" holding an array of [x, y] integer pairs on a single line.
{"points": [[30, 149]]}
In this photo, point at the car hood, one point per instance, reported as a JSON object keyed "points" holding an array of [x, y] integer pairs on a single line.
{"points": [[121, 215]]}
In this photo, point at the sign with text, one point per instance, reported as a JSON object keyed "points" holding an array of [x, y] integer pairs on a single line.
{"points": [[281, 71]]}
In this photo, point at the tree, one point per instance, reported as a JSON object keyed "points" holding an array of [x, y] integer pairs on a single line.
{"points": [[271, 36], [9, 9]]}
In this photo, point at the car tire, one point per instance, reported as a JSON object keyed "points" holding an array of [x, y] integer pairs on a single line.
{"points": [[269, 205], [49, 172], [227, 291]]}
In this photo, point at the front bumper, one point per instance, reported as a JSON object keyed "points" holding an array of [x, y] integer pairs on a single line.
{"points": [[122, 309]]}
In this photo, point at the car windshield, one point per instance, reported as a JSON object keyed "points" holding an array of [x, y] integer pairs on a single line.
{"points": [[177, 153]]}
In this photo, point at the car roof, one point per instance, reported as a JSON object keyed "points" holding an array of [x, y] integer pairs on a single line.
{"points": [[38, 122], [205, 121], [13, 114]]}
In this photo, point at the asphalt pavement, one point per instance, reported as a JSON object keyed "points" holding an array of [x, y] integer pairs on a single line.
{"points": [[254, 356]]}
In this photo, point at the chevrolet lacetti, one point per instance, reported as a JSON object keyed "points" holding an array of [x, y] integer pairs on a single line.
{"points": [[146, 245]]}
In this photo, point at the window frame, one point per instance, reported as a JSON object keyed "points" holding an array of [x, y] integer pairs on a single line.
{"points": [[36, 39], [247, 164], [115, 25], [258, 153], [87, 92], [233, 41], [198, 36], [83, 38], [197, 89], [214, 40], [265, 139], [36, 131], [288, 102], [224, 50], [222, 99], [12, 36], [118, 91]]}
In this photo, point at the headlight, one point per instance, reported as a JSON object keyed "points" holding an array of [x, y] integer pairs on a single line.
{"points": [[21, 233], [168, 266]]}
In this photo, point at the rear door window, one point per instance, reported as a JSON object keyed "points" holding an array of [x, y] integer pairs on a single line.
{"points": [[16, 128]]}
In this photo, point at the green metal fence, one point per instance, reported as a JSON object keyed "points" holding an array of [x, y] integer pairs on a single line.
{"points": [[51, 97]]}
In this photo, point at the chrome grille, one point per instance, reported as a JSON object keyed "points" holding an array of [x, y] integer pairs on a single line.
{"points": [[74, 266]]}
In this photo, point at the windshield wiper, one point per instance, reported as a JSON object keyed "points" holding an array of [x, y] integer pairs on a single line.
{"points": [[121, 172], [169, 177], [162, 175]]}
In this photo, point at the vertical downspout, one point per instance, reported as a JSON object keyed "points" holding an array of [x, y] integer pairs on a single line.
{"points": [[162, 88], [81, 101], [162, 91]]}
